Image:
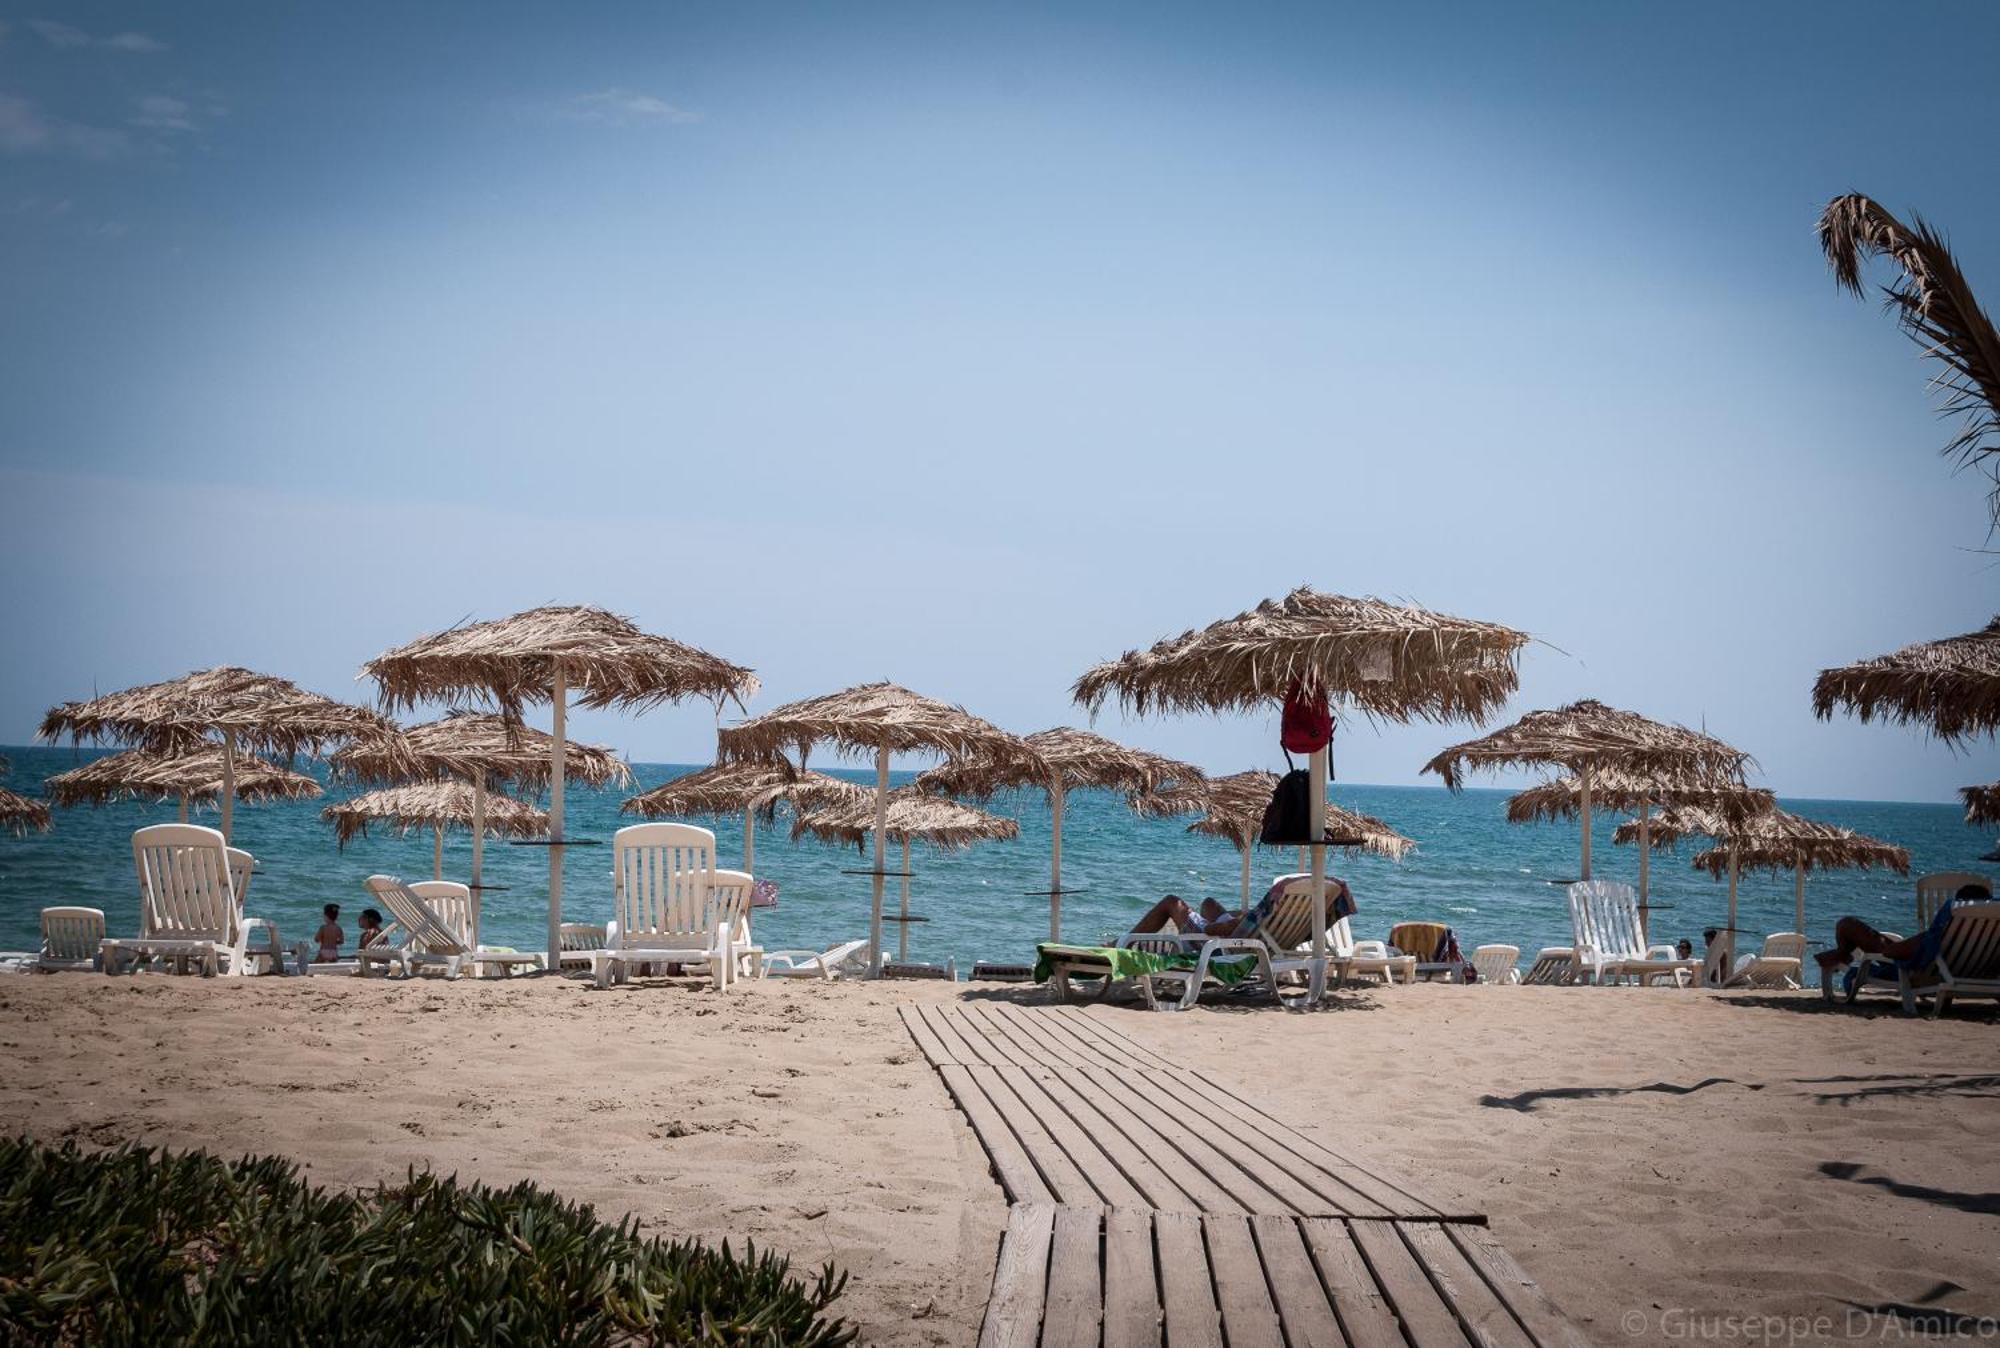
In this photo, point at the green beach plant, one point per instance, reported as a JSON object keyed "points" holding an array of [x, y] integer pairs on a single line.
{"points": [[137, 1246]]}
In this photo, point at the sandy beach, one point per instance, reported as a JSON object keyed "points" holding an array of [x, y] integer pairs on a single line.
{"points": [[1656, 1159]]}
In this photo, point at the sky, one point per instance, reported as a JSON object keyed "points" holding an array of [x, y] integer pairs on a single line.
{"points": [[967, 346]]}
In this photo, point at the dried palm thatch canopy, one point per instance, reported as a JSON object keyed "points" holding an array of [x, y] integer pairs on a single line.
{"points": [[1982, 803], [19, 814], [1058, 761], [1232, 807], [1588, 737], [190, 778], [1951, 687], [877, 716], [1562, 797], [1395, 662], [466, 744], [436, 806], [545, 655], [1773, 840], [749, 789], [257, 712]]}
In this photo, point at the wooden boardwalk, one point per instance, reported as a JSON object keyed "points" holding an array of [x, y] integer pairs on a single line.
{"points": [[1152, 1205]]}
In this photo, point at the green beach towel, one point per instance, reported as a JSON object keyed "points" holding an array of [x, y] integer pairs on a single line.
{"points": [[1123, 963]]}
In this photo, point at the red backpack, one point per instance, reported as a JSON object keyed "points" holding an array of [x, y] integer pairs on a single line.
{"points": [[1307, 723]]}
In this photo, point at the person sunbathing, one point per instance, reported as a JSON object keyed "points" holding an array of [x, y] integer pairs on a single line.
{"points": [[1852, 936], [1212, 919]]}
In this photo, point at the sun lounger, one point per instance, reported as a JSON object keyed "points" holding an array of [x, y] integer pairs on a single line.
{"points": [[72, 938], [1965, 963], [436, 919], [1428, 944], [1368, 959], [1077, 973], [1610, 943], [846, 960], [1497, 963], [673, 906], [190, 909], [578, 940], [1777, 965], [1554, 966], [947, 971], [1934, 891]]}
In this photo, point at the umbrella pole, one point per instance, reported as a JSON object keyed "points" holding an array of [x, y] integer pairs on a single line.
{"points": [[1727, 938], [478, 848], [1583, 777], [903, 910], [437, 852], [1645, 862], [1317, 985], [1799, 898], [559, 699], [750, 843], [228, 781], [184, 807], [1243, 905], [881, 829], [1056, 796]]}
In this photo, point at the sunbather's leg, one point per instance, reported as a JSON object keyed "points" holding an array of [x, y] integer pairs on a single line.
{"points": [[1852, 935], [1170, 909]]}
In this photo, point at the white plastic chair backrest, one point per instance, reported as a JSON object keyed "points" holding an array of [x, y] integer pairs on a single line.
{"points": [[451, 903], [728, 900], [241, 867], [1605, 916], [71, 933], [184, 884], [1340, 938], [421, 927], [1494, 962], [660, 876], [1783, 945], [1971, 945], [582, 936], [1934, 890]]}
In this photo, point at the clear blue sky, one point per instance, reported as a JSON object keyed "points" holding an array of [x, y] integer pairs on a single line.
{"points": [[968, 346]]}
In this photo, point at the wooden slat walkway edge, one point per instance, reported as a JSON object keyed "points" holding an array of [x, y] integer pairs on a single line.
{"points": [[1150, 1203]]}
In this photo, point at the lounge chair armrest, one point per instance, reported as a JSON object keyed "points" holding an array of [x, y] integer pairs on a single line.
{"points": [[1662, 951], [1371, 950]]}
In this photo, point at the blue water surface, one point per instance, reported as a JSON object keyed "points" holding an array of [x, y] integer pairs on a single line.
{"points": [[1472, 869]]}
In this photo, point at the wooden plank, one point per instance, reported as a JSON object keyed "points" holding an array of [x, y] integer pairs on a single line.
{"points": [[1010, 1160], [1189, 1159], [997, 1049], [1131, 1289], [1366, 1317], [1108, 1183], [1249, 1320], [1020, 1281], [1049, 1044], [1075, 1305], [1427, 1321], [928, 1043], [1307, 1315], [955, 1045], [1186, 1296], [1486, 1319], [1058, 1171], [1152, 1171], [1108, 1039], [1545, 1324]]}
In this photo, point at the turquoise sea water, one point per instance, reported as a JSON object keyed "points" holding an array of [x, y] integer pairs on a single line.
{"points": [[1472, 869]]}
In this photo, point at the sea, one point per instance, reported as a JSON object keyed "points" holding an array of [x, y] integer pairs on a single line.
{"points": [[1491, 881]]}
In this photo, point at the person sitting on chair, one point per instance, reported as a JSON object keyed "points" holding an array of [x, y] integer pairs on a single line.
{"points": [[1851, 935], [1212, 919]]}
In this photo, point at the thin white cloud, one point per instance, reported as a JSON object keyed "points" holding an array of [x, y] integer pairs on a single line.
{"points": [[626, 107], [158, 112], [65, 37], [25, 130]]}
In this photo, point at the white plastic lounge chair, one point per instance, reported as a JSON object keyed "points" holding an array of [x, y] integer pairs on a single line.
{"points": [[1610, 943], [1938, 889], [72, 938], [1497, 963], [1554, 966], [436, 919], [1967, 964], [1419, 941], [1777, 965], [578, 940], [1368, 958], [671, 905], [846, 960], [189, 906], [1280, 951]]}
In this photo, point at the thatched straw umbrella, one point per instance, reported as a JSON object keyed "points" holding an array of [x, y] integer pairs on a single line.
{"points": [[19, 814], [249, 711], [1951, 687], [911, 814], [1587, 738], [543, 655], [1638, 794], [1772, 840], [436, 806], [1391, 662], [749, 789], [1982, 804], [877, 716], [195, 777], [481, 748], [1232, 807], [1061, 760]]}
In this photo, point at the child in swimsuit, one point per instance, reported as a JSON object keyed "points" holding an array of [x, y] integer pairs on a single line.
{"points": [[371, 927], [329, 935]]}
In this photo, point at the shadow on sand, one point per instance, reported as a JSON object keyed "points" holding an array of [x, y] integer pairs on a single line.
{"points": [[1985, 1205]]}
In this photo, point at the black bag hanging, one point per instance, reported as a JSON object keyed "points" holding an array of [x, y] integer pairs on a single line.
{"points": [[1288, 818]]}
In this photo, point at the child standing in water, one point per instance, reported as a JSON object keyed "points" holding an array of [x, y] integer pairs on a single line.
{"points": [[329, 935]]}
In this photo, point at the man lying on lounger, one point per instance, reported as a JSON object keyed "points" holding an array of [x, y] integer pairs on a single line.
{"points": [[1851, 935], [1212, 919]]}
